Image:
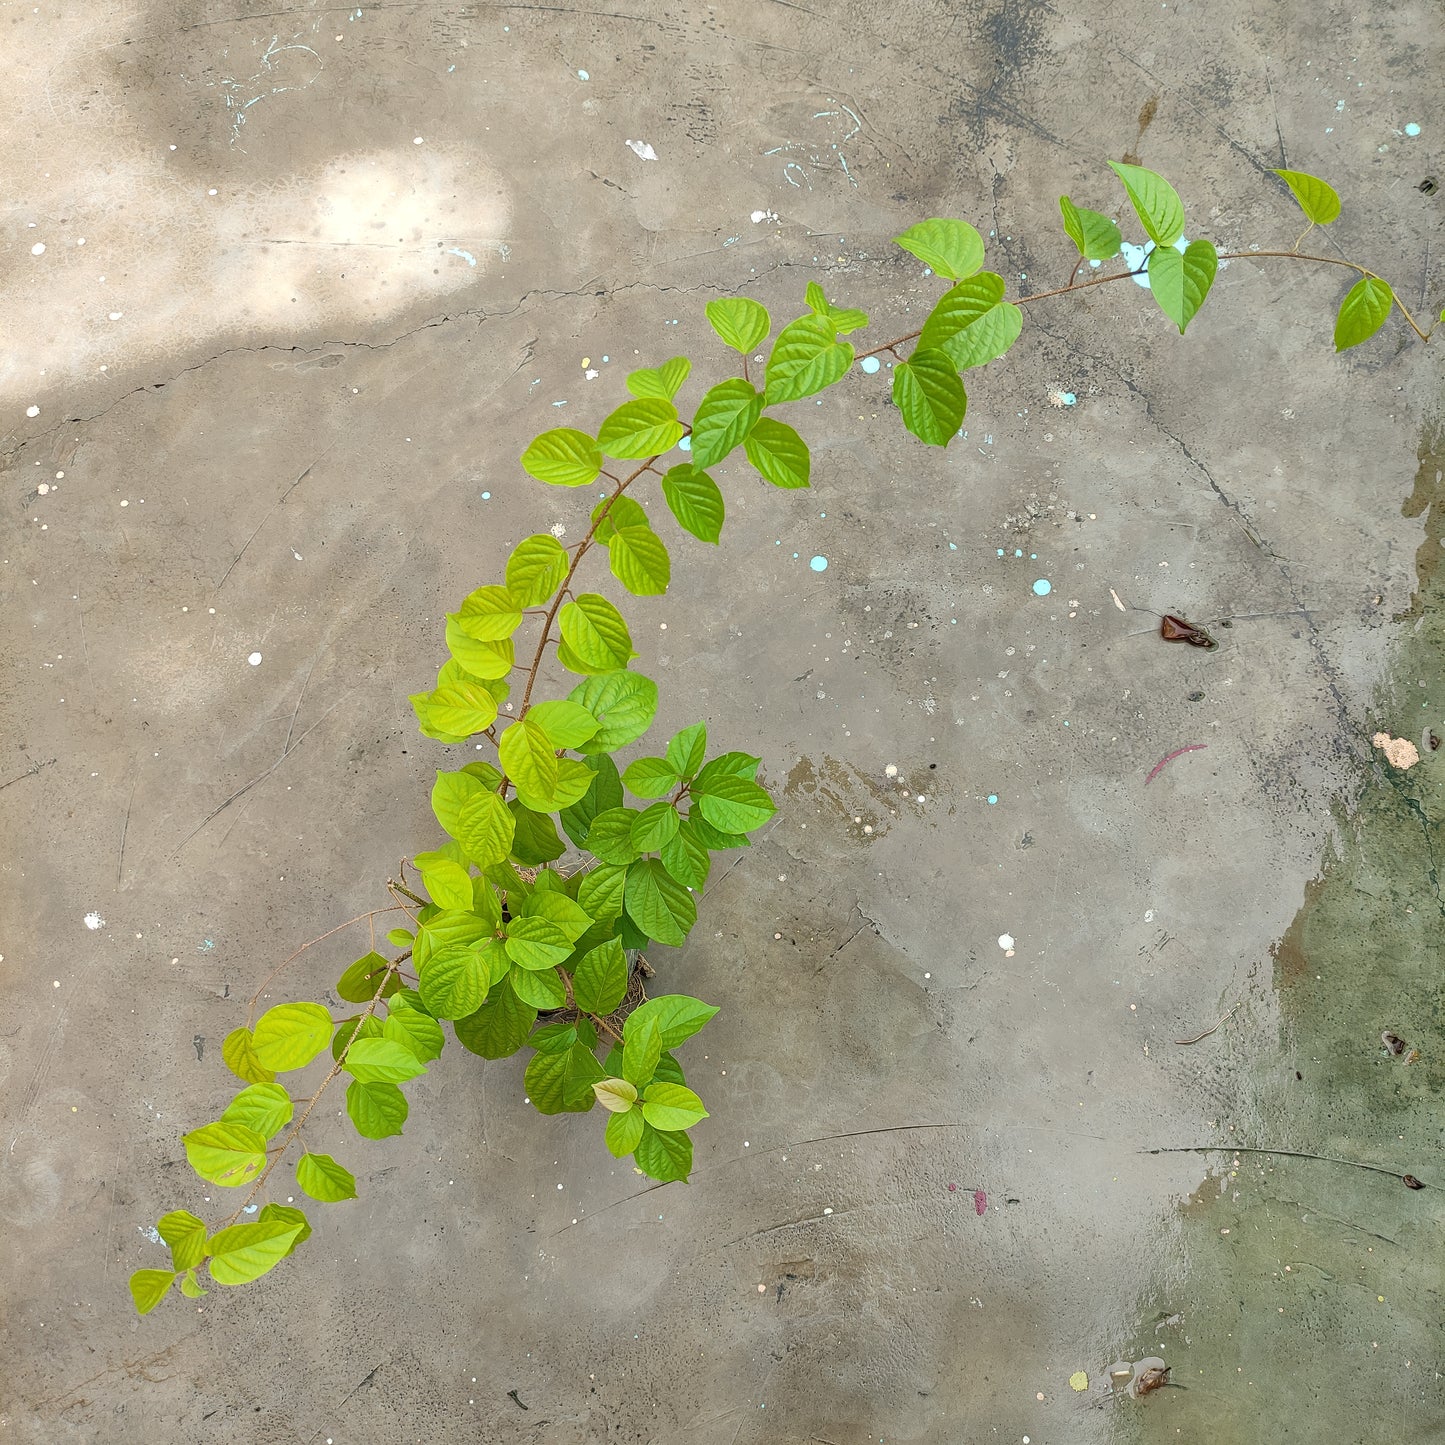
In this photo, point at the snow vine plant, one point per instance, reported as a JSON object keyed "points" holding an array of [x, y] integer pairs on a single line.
{"points": [[518, 942]]}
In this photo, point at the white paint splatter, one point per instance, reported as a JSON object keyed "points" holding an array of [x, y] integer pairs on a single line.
{"points": [[582, 75], [254, 659], [150, 1232], [38, 249], [32, 411], [93, 921], [641, 150], [1005, 941], [557, 529], [1136, 256], [891, 771]]}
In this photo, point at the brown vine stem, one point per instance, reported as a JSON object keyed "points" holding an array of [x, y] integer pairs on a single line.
{"points": [[391, 908], [296, 1128]]}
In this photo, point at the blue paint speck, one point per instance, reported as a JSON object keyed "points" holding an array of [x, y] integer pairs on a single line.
{"points": [[685, 444], [819, 564], [992, 799], [869, 364], [582, 75], [953, 546], [486, 496], [465, 255], [1018, 552], [1412, 129], [1068, 398], [1043, 587], [1000, 551]]}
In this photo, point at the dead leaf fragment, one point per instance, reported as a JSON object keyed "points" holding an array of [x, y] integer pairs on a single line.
{"points": [[1399, 752]]}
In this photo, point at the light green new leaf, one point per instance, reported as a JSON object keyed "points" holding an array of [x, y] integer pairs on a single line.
{"points": [[960, 307], [565, 457], [595, 638], [641, 1052], [653, 827], [662, 382], [246, 1251], [451, 714], [535, 570], [418, 1031], [842, 318], [617, 511], [687, 749], [650, 778], [474, 815], [677, 1016], [739, 321], [600, 982], [640, 429], [639, 560], [453, 983], [732, 803], [444, 928], [354, 1028], [623, 1133], [378, 1110], [662, 1155], [695, 500], [1317, 199], [529, 757], [1096, 236], [617, 1096], [1156, 202], [952, 248], [148, 1287], [1181, 282], [489, 661], [567, 724], [780, 455], [805, 359], [555, 906], [659, 903], [732, 765], [266, 1108], [489, 614], [724, 418], [671, 1106], [450, 886], [290, 1035], [326, 1181], [385, 1061], [500, 1027], [624, 703], [1362, 312], [191, 1286], [542, 988], [929, 394], [238, 1052], [986, 339], [360, 982], [286, 1214], [186, 1236], [226, 1154]]}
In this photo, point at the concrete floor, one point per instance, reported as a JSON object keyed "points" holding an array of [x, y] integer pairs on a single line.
{"points": [[338, 266]]}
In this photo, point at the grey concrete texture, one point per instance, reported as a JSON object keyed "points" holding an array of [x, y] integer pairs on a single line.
{"points": [[338, 266]]}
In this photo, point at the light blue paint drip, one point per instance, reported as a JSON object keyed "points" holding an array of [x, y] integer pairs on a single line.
{"points": [[1018, 552], [1412, 129], [992, 799], [486, 496], [685, 444], [795, 556], [465, 255], [1068, 398], [582, 75], [869, 364], [1043, 587], [1000, 551], [819, 564], [1135, 257], [953, 546]]}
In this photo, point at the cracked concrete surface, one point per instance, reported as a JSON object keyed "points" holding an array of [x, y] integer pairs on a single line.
{"points": [[338, 265]]}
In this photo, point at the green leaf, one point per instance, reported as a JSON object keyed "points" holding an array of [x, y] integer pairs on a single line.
{"points": [[1181, 282], [617, 1096], [453, 983], [565, 457], [677, 1016], [238, 1052], [640, 429], [663, 1156], [191, 1286], [530, 759], [148, 1287], [641, 1052], [537, 943], [290, 1035], [556, 907], [671, 1106], [733, 765], [385, 1061], [490, 614], [542, 988], [450, 886], [1096, 236], [474, 815], [487, 660], [639, 561], [605, 793], [1317, 199], [731, 803], [535, 841], [284, 1214], [952, 248], [687, 749], [650, 777], [661, 905], [226, 1154], [686, 857], [535, 570], [1156, 202], [399, 937], [554, 1038], [986, 339], [595, 638], [695, 500], [360, 982], [500, 1027], [453, 713], [805, 359], [266, 1108], [447, 928], [662, 382], [559, 1083], [601, 889], [246, 1251], [959, 308], [779, 454], [724, 418], [714, 838], [616, 511], [418, 1031], [739, 321], [567, 724], [357, 1027], [326, 1181], [928, 392], [842, 319], [1362, 312], [623, 1133], [600, 982], [186, 1236], [654, 826], [624, 703], [378, 1110]]}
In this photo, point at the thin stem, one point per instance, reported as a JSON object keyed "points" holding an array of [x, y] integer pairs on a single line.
{"points": [[604, 1026], [1078, 266], [405, 892], [392, 908]]}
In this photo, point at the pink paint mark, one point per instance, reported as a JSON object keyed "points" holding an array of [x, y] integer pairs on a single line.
{"points": [[980, 1201], [1169, 758], [952, 1188]]}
